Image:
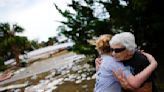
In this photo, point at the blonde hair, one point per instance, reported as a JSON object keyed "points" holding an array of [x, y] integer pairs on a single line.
{"points": [[102, 44]]}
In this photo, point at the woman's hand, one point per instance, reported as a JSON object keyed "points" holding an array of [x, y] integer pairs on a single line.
{"points": [[122, 79], [98, 63]]}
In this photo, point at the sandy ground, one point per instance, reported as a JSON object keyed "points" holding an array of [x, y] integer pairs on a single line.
{"points": [[42, 66]]}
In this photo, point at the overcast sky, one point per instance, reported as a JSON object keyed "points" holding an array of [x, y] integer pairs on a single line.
{"points": [[38, 17]]}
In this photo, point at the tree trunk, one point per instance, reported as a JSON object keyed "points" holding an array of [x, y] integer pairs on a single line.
{"points": [[17, 60], [16, 52]]}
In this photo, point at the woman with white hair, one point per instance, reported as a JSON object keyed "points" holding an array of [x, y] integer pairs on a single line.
{"points": [[105, 79], [123, 48], [123, 42]]}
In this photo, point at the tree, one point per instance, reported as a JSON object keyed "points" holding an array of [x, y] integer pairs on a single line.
{"points": [[83, 26], [143, 18], [34, 45], [15, 45], [50, 41], [91, 18]]}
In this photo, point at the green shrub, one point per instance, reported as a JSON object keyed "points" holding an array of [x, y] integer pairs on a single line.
{"points": [[2, 65]]}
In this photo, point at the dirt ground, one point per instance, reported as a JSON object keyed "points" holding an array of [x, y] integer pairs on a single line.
{"points": [[85, 86]]}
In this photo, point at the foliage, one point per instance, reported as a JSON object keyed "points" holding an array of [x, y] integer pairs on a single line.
{"points": [[12, 44], [34, 44], [2, 66], [141, 18], [51, 41], [91, 18], [82, 26]]}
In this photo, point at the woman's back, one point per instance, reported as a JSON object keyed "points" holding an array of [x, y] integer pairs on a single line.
{"points": [[105, 80]]}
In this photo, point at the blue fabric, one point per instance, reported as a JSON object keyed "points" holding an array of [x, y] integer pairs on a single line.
{"points": [[105, 80]]}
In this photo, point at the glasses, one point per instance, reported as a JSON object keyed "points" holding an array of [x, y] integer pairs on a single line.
{"points": [[117, 50]]}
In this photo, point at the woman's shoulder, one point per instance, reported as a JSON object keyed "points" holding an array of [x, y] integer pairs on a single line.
{"points": [[110, 61], [139, 56], [108, 58]]}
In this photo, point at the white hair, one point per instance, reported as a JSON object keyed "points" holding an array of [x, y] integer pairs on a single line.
{"points": [[126, 39]]}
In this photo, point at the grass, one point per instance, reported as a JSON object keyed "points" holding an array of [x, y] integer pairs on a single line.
{"points": [[84, 86]]}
